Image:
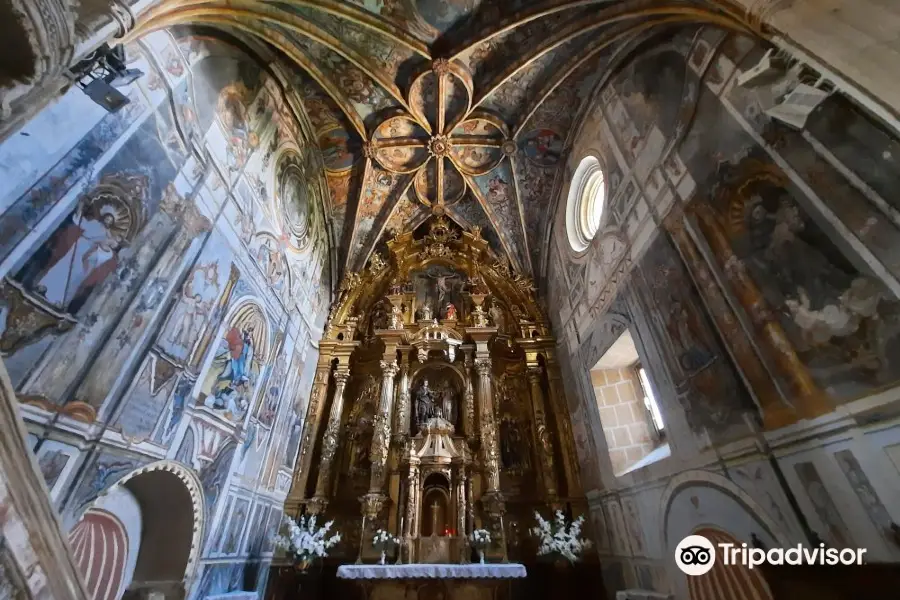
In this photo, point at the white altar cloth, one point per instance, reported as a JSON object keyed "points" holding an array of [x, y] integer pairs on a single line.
{"points": [[427, 571]]}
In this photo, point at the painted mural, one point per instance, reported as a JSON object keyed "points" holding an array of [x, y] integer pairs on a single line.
{"points": [[207, 275], [842, 321], [752, 252], [707, 383]]}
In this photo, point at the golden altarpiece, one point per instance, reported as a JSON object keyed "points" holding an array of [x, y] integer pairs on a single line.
{"points": [[437, 405]]}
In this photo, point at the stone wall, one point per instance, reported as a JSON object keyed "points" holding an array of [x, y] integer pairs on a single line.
{"points": [[166, 273], [725, 236]]}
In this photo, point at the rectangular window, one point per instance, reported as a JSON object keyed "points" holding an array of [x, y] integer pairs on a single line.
{"points": [[650, 401]]}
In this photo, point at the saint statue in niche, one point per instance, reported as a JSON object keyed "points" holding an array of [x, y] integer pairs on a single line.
{"points": [[511, 454], [425, 408], [448, 406]]}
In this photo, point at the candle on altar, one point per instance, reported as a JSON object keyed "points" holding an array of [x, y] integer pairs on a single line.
{"points": [[402, 523]]}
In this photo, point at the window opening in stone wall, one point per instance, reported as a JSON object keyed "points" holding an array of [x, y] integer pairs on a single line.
{"points": [[650, 402], [629, 414], [585, 203]]}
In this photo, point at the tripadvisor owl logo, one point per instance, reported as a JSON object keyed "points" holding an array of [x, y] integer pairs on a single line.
{"points": [[695, 555]]}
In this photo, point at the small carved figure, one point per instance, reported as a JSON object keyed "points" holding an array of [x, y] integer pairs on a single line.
{"points": [[425, 313], [451, 312], [376, 263], [396, 288], [396, 317], [479, 317], [447, 404]]}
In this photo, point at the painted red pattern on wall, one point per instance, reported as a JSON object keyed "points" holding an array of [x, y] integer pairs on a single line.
{"points": [[100, 545], [733, 582]]}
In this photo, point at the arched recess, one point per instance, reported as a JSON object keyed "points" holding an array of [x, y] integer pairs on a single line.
{"points": [[142, 534], [173, 515], [701, 500], [732, 501]]}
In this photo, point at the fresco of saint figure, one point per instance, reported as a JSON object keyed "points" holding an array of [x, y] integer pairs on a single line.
{"points": [[233, 114], [190, 314], [79, 255], [236, 374]]}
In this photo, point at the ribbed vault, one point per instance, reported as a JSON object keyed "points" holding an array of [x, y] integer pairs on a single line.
{"points": [[451, 107]]}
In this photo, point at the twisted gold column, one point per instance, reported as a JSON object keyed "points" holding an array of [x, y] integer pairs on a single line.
{"points": [[489, 442], [330, 441], [382, 435], [469, 401], [401, 411]]}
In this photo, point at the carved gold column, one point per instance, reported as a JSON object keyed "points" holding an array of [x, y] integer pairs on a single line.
{"points": [[492, 499], [560, 409], [310, 430], [469, 401], [489, 442], [382, 435], [461, 510], [412, 506], [775, 412], [401, 411], [330, 441], [542, 433], [809, 401]]}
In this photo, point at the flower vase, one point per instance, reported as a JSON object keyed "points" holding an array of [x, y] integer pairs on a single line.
{"points": [[383, 556], [302, 564], [481, 557]]}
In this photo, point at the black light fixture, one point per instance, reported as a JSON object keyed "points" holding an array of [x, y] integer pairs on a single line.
{"points": [[101, 72]]}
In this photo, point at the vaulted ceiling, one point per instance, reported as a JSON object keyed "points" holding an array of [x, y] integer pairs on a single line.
{"points": [[456, 107]]}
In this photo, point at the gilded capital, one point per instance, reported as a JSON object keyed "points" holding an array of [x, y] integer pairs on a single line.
{"points": [[372, 504], [341, 377], [483, 366], [389, 368]]}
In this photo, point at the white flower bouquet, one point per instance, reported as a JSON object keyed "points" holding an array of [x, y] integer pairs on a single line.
{"points": [[557, 537], [383, 541], [480, 539], [306, 541]]}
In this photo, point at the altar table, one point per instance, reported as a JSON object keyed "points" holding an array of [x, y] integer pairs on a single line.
{"points": [[434, 581], [422, 571]]}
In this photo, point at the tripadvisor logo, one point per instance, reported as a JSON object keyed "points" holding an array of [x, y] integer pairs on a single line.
{"points": [[696, 555]]}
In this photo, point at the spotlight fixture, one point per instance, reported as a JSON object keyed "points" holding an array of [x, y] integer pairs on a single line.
{"points": [[101, 72]]}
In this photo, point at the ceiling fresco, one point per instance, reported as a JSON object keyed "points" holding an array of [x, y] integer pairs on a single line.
{"points": [[449, 107]]}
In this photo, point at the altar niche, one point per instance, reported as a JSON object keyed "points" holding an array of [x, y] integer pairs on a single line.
{"points": [[438, 293], [436, 507], [437, 391]]}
